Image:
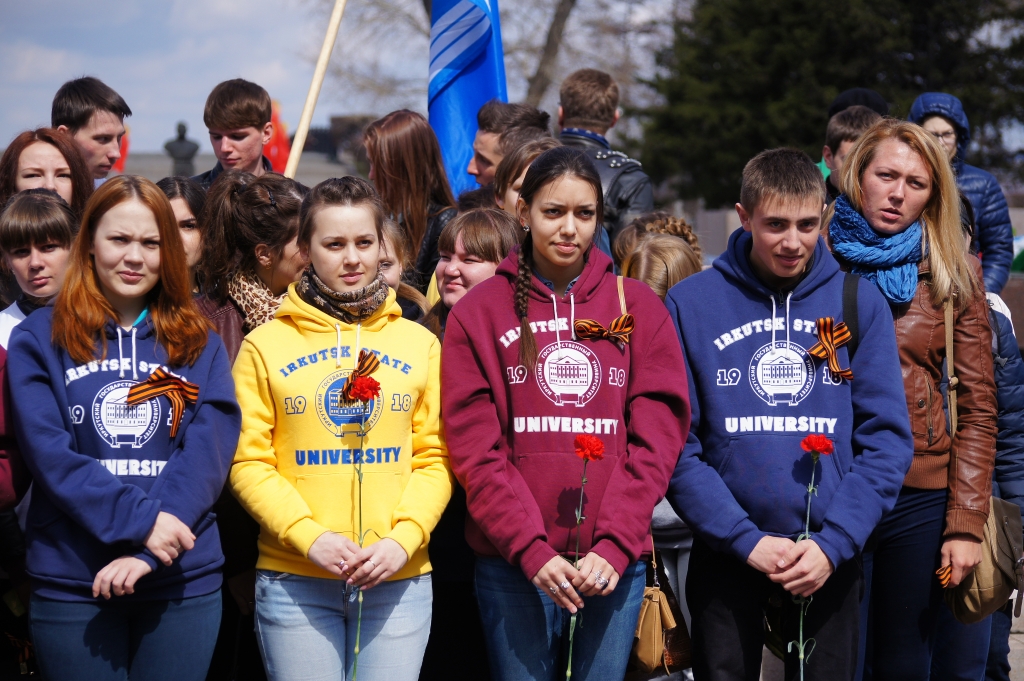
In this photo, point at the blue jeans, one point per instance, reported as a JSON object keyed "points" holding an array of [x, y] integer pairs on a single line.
{"points": [[307, 628], [528, 634], [961, 650], [115, 640], [999, 645]]}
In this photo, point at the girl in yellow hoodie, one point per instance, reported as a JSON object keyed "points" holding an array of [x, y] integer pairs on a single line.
{"points": [[305, 440]]}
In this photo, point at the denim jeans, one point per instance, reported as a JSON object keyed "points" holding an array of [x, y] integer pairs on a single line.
{"points": [[115, 640], [961, 650], [999, 646], [528, 634], [307, 628]]}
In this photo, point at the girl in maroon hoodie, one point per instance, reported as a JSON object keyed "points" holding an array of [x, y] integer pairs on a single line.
{"points": [[556, 346]]}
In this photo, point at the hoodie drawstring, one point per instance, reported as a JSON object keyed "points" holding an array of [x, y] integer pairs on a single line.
{"points": [[789, 296], [572, 315], [135, 376], [120, 354], [337, 359]]}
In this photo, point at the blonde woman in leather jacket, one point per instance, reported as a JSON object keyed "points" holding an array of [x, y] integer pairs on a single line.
{"points": [[898, 225]]}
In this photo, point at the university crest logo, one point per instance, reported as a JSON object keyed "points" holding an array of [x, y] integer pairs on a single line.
{"points": [[568, 372], [120, 424], [781, 374], [338, 416]]}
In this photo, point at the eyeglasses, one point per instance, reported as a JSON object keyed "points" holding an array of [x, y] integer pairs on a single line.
{"points": [[947, 136]]}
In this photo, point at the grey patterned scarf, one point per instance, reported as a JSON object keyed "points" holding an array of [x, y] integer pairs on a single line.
{"points": [[350, 307]]}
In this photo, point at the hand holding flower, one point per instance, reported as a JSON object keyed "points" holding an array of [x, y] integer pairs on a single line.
{"points": [[551, 576], [804, 569], [375, 563], [330, 550], [591, 568], [768, 552]]}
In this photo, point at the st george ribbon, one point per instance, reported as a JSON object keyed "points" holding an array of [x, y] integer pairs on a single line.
{"points": [[467, 69]]}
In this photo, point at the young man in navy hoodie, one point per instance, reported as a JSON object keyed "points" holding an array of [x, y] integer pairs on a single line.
{"points": [[761, 380]]}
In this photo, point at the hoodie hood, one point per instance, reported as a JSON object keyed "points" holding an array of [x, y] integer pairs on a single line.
{"points": [[307, 318], [735, 266], [947, 106], [597, 266]]}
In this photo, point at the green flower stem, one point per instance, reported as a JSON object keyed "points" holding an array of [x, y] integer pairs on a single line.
{"points": [[576, 563], [359, 476], [803, 647]]}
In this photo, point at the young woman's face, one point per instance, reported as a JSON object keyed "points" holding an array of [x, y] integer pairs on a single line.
{"points": [[895, 187], [126, 252], [944, 132], [390, 264], [562, 221], [458, 272], [39, 269], [511, 198], [42, 165], [189, 230], [344, 249]]}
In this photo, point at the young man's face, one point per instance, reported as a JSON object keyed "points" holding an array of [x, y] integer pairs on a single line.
{"points": [[242, 148], [785, 232], [486, 157], [834, 161], [99, 141]]}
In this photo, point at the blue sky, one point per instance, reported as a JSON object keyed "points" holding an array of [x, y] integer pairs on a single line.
{"points": [[162, 56]]}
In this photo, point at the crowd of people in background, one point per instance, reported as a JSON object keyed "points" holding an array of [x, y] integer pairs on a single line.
{"points": [[257, 430]]}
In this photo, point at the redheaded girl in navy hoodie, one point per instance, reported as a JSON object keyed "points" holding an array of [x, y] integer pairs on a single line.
{"points": [[127, 419], [553, 347]]}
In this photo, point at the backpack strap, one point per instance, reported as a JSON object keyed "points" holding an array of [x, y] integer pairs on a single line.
{"points": [[622, 295], [850, 313]]}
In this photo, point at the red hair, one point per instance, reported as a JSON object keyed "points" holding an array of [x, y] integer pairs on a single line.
{"points": [[81, 178], [81, 310]]}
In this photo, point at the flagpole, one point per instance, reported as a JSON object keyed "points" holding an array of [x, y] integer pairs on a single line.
{"points": [[314, 89]]}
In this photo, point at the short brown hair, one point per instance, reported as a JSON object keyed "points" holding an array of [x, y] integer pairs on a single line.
{"points": [[661, 261], [655, 222], [339, 191], [36, 217], [589, 99], [496, 117], [784, 173], [848, 125], [81, 179], [77, 100], [236, 104]]}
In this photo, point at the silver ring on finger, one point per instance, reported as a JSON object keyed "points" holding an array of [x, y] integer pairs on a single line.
{"points": [[342, 566], [372, 563], [564, 586], [602, 582], [554, 589]]}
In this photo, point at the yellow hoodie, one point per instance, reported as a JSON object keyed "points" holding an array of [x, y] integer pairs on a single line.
{"points": [[295, 468]]}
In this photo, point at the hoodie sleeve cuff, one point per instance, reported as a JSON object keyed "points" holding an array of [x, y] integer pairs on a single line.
{"points": [[608, 550], [535, 556], [965, 521], [149, 559], [744, 539], [836, 548], [303, 533], [409, 536]]}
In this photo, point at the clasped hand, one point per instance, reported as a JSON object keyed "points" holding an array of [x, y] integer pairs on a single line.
{"points": [[363, 567], [800, 567], [584, 580]]}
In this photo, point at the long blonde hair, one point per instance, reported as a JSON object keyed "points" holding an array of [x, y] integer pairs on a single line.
{"points": [[943, 239]]}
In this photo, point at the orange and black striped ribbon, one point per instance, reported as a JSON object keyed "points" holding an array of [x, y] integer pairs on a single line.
{"points": [[618, 331], [160, 382], [368, 363], [830, 337]]}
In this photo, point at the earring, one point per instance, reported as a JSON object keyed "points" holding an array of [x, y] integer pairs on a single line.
{"points": [[526, 228]]}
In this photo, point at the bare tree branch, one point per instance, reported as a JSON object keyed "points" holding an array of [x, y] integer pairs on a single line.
{"points": [[541, 79]]}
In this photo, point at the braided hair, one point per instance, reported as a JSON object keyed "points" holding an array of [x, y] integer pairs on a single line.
{"points": [[550, 166]]}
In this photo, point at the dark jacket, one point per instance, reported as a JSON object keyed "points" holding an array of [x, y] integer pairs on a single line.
{"points": [[206, 179], [1009, 375], [627, 189], [14, 478], [227, 322], [992, 217], [921, 336], [426, 259]]}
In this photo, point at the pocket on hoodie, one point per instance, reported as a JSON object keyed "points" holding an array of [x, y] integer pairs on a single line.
{"points": [[554, 478], [334, 500], [769, 477]]}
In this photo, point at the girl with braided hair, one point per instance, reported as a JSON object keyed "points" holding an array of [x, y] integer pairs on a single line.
{"points": [[553, 347]]}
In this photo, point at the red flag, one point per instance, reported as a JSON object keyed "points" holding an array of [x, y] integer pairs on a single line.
{"points": [[125, 142], [278, 148]]}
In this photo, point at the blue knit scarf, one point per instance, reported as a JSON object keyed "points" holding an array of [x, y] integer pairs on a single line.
{"points": [[888, 261]]}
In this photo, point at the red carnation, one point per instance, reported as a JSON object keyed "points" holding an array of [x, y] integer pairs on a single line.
{"points": [[817, 443], [589, 448], [363, 388]]}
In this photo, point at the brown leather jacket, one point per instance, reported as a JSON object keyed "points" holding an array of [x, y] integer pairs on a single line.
{"points": [[967, 472], [227, 322]]}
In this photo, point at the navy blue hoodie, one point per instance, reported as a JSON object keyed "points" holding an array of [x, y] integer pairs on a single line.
{"points": [[102, 471], [756, 393]]}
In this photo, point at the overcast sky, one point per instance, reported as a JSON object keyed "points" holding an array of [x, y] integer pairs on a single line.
{"points": [[162, 56]]}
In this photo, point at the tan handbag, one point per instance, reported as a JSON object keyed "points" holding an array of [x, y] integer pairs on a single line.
{"points": [[992, 581], [655, 618]]}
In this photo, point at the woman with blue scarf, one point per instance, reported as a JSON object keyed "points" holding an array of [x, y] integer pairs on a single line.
{"points": [[898, 225]]}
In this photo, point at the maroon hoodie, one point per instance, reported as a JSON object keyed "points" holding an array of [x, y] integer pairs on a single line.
{"points": [[510, 430]]}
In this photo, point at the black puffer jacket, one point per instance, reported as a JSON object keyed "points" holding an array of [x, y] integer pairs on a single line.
{"points": [[626, 187], [992, 217]]}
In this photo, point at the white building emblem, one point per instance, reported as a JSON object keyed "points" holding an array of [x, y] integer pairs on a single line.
{"points": [[120, 424], [781, 374], [568, 372], [340, 417]]}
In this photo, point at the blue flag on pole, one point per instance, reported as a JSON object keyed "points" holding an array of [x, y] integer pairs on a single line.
{"points": [[467, 70]]}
